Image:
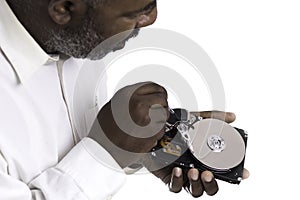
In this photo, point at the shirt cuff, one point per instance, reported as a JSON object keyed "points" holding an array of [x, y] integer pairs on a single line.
{"points": [[94, 170]]}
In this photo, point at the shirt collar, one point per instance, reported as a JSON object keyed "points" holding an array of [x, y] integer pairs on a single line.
{"points": [[22, 51]]}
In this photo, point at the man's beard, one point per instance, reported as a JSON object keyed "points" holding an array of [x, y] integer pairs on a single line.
{"points": [[112, 44], [84, 42]]}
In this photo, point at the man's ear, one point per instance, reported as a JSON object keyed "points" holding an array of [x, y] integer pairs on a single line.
{"points": [[63, 11]]}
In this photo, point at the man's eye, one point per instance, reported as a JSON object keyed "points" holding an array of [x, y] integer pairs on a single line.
{"points": [[149, 7], [146, 10]]}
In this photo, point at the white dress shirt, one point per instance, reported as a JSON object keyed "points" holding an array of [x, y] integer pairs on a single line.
{"points": [[43, 154]]}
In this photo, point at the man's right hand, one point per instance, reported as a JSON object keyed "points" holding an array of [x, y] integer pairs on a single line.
{"points": [[132, 122]]}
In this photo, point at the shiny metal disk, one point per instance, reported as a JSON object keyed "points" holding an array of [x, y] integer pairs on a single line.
{"points": [[216, 144]]}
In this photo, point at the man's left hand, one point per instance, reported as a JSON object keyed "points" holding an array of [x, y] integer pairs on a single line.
{"points": [[192, 180]]}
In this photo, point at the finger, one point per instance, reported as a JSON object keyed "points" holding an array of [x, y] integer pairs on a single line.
{"points": [[246, 174], [146, 108], [196, 187], [209, 183], [150, 88], [228, 117], [176, 180]]}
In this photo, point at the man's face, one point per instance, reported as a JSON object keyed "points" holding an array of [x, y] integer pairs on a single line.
{"points": [[102, 22], [121, 15]]}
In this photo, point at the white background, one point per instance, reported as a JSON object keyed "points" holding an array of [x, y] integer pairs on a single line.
{"points": [[256, 47]]}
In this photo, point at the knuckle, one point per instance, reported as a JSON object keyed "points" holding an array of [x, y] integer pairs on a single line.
{"points": [[158, 87], [153, 84], [157, 96]]}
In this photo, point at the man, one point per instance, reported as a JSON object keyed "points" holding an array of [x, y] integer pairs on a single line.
{"points": [[42, 156]]}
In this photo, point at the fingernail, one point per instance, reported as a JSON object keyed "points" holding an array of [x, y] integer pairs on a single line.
{"points": [[246, 174], [194, 175], [177, 172], [208, 178]]}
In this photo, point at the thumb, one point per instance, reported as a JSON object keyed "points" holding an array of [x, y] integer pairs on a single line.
{"points": [[228, 117]]}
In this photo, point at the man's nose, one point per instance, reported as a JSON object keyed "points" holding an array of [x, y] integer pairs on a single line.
{"points": [[146, 19]]}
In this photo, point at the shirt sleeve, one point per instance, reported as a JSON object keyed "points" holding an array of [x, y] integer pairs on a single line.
{"points": [[87, 172]]}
